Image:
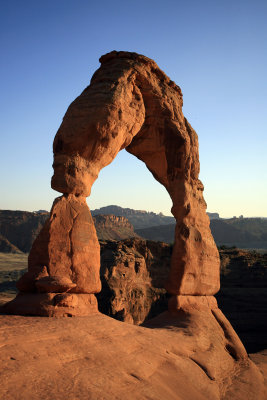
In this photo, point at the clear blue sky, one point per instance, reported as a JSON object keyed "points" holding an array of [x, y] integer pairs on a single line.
{"points": [[215, 50]]}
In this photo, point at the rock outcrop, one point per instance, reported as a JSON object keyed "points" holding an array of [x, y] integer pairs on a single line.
{"points": [[185, 356], [113, 227], [63, 265], [133, 273], [130, 104], [138, 218]]}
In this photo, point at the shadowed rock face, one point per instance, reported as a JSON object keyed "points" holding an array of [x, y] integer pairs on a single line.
{"points": [[133, 273], [130, 104]]}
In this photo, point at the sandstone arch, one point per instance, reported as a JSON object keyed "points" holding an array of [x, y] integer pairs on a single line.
{"points": [[130, 104]]}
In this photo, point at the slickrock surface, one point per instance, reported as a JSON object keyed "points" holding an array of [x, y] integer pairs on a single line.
{"points": [[132, 275], [97, 357]]}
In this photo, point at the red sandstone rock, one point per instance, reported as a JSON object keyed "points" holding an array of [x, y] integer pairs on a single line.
{"points": [[183, 356], [65, 257], [68, 245], [52, 304], [132, 104], [129, 104]]}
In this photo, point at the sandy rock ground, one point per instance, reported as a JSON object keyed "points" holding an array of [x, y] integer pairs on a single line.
{"points": [[97, 357]]}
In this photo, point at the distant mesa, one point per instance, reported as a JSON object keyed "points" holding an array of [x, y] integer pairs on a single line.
{"points": [[213, 215], [113, 227], [138, 218], [20, 228]]}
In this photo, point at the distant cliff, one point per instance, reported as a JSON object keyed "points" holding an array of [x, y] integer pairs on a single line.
{"points": [[240, 232], [141, 219], [246, 233], [112, 227], [20, 228], [138, 218]]}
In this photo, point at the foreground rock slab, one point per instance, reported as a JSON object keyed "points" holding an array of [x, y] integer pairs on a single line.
{"points": [[179, 356]]}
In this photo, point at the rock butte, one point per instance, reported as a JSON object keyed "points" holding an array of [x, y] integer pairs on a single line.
{"points": [[131, 104]]}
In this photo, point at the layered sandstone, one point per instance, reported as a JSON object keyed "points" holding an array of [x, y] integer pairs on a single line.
{"points": [[181, 356], [63, 265]]}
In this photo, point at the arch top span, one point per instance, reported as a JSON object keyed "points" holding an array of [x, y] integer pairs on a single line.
{"points": [[128, 98]]}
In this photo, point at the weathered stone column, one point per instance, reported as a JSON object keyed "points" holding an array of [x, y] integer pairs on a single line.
{"points": [[63, 265]]}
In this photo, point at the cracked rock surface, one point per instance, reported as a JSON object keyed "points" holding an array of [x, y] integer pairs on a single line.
{"points": [[175, 357]]}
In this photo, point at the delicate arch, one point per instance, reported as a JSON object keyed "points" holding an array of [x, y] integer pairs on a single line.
{"points": [[132, 104]]}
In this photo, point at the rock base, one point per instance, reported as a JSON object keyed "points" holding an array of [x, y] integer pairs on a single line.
{"points": [[192, 302], [179, 305], [52, 305]]}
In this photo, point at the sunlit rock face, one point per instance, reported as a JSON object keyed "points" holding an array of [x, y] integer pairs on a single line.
{"points": [[130, 104]]}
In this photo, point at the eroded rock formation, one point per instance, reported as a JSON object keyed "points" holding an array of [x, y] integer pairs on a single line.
{"points": [[133, 273], [130, 104]]}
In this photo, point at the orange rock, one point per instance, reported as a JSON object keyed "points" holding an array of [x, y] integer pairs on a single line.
{"points": [[65, 258], [68, 246], [132, 104], [52, 304]]}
